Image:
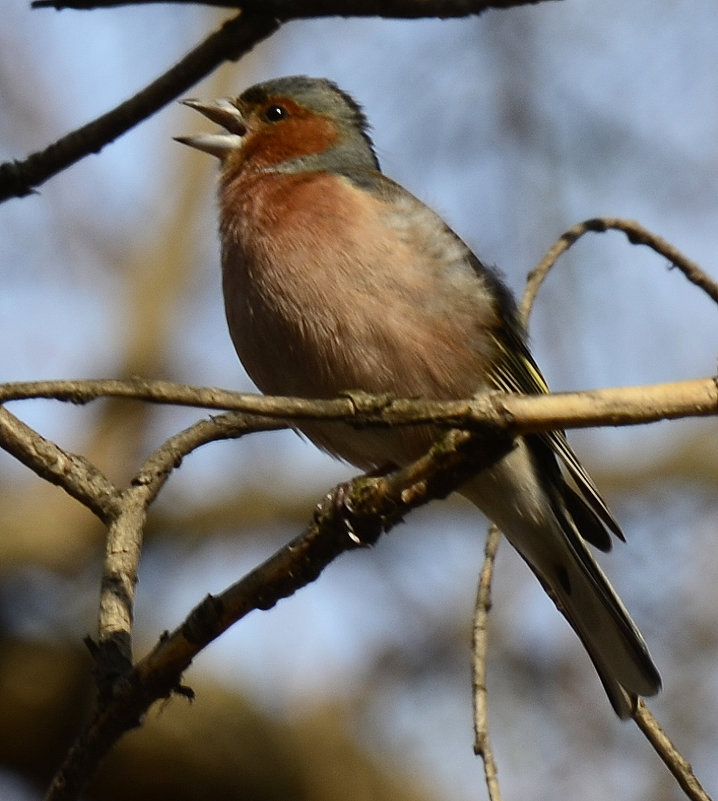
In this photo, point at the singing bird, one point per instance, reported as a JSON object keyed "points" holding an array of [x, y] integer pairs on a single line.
{"points": [[337, 278]]}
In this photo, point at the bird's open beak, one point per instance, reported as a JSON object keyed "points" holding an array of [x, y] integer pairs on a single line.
{"points": [[224, 113]]}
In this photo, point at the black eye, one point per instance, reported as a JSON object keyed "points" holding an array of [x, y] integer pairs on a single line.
{"points": [[275, 113]]}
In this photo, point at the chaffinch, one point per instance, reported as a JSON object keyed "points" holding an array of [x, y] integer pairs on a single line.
{"points": [[337, 278]]}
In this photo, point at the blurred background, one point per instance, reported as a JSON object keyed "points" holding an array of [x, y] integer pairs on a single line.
{"points": [[514, 126]]}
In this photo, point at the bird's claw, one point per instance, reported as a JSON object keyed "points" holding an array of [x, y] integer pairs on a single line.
{"points": [[337, 502], [362, 529]]}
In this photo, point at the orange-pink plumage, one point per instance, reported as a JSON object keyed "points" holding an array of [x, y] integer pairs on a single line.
{"points": [[336, 278]]}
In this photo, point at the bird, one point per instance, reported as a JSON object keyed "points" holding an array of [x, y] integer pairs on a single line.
{"points": [[336, 278]]}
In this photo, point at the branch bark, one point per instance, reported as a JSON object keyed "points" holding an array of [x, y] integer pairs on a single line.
{"points": [[507, 413], [352, 516], [78, 477]]}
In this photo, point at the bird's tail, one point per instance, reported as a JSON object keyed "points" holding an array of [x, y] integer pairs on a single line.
{"points": [[583, 594], [540, 525]]}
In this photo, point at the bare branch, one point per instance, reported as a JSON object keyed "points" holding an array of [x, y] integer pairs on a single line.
{"points": [[608, 407], [167, 392], [235, 38], [662, 745], [156, 469], [295, 9], [480, 650], [78, 477], [368, 506], [123, 547], [125, 513], [508, 412], [637, 235], [352, 516]]}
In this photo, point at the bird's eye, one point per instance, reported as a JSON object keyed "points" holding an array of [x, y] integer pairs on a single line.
{"points": [[275, 113]]}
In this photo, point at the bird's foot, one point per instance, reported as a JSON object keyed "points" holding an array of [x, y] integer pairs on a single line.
{"points": [[361, 527]]}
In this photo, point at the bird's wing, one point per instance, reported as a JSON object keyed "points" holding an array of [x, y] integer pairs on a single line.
{"points": [[516, 371]]}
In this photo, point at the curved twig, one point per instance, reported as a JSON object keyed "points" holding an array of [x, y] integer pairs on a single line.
{"points": [[645, 720], [637, 235]]}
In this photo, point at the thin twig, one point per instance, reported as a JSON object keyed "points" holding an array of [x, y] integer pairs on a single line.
{"points": [[672, 758], [637, 235], [235, 38], [480, 650]]}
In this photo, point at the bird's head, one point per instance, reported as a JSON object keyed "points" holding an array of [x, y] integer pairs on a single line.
{"points": [[292, 124]]}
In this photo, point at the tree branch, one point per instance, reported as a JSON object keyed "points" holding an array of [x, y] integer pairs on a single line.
{"points": [[78, 477], [235, 38], [505, 412], [672, 758], [258, 20], [352, 516], [479, 652], [123, 547], [637, 235], [296, 9], [500, 414]]}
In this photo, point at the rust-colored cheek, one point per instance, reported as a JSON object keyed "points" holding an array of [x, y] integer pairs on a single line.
{"points": [[290, 139]]}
